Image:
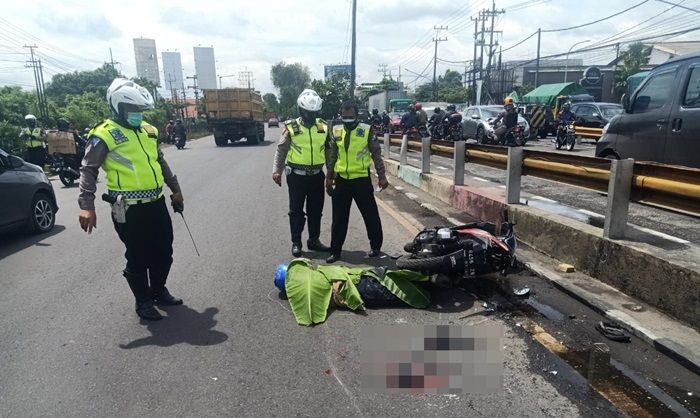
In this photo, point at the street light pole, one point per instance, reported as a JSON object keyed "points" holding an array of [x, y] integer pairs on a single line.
{"points": [[223, 76], [566, 66]]}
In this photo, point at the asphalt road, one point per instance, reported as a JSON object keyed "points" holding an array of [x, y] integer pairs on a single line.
{"points": [[71, 344]]}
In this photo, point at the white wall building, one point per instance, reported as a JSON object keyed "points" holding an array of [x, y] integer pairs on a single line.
{"points": [[172, 71]]}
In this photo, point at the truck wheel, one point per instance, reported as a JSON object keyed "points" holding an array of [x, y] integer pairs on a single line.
{"points": [[253, 139], [220, 142]]}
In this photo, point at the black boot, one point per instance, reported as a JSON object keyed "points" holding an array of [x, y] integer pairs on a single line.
{"points": [[164, 298], [374, 253], [296, 249], [333, 258], [317, 245], [138, 282]]}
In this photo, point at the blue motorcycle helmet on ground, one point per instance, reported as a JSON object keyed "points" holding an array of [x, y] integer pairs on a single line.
{"points": [[280, 277]]}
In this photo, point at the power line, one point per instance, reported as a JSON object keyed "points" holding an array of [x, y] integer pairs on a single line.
{"points": [[682, 7], [596, 21]]}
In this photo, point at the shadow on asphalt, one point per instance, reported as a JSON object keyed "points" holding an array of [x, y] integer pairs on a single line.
{"points": [[183, 325], [17, 241], [243, 143]]}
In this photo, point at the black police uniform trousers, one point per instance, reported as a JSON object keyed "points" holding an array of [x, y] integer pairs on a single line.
{"points": [[36, 156], [362, 192], [309, 190], [148, 237]]}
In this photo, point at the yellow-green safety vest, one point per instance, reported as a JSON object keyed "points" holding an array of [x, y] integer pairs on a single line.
{"points": [[308, 146], [34, 137], [354, 157], [131, 164]]}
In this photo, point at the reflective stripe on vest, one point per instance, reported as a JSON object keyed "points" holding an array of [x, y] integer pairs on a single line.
{"points": [[307, 149], [353, 151], [131, 164], [34, 137]]}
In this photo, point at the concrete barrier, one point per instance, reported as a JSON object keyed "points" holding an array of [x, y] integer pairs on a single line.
{"points": [[638, 269]]}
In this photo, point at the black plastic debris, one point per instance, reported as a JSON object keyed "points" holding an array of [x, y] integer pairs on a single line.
{"points": [[612, 332]]}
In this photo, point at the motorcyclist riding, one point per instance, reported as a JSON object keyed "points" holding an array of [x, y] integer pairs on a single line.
{"points": [[509, 116], [565, 117], [386, 121], [375, 119], [409, 119], [422, 116], [435, 122]]}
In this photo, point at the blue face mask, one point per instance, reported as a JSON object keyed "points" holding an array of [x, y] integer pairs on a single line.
{"points": [[134, 119]]}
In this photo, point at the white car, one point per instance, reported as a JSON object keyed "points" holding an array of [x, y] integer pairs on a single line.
{"points": [[475, 122]]}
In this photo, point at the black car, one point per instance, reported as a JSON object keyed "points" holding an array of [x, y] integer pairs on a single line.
{"points": [[28, 199], [595, 115]]}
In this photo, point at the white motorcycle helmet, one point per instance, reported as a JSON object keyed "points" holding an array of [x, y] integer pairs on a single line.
{"points": [[310, 100], [30, 117], [123, 91]]}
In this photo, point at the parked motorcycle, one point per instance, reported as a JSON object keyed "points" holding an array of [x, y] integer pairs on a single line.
{"points": [[452, 255], [566, 137], [66, 166]]}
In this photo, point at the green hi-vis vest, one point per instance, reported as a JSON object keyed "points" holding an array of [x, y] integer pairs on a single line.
{"points": [[307, 150], [353, 151], [131, 165], [33, 137]]}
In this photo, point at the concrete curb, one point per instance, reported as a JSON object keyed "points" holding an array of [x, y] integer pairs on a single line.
{"points": [[669, 336]]}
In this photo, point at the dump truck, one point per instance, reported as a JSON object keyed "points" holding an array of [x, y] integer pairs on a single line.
{"points": [[233, 114]]}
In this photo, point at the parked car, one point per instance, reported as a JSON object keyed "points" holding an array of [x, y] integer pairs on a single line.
{"points": [[595, 115], [273, 122], [475, 122], [28, 199], [661, 119]]}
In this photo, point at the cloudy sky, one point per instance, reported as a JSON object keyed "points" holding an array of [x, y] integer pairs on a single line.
{"points": [[77, 34]]}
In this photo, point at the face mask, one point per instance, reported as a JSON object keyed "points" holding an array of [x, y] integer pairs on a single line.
{"points": [[134, 119], [349, 121]]}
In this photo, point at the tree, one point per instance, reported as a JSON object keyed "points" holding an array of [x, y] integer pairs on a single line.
{"points": [[79, 82], [271, 103], [633, 59], [15, 103], [334, 91], [387, 84], [290, 80], [449, 89]]}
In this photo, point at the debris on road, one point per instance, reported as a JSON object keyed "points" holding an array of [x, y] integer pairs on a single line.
{"points": [[521, 291], [612, 332], [566, 268]]}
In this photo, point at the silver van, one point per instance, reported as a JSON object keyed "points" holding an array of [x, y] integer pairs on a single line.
{"points": [[661, 121]]}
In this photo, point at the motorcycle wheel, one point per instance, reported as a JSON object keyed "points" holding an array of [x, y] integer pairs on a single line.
{"points": [[557, 143], [429, 264], [480, 136], [67, 179], [570, 142]]}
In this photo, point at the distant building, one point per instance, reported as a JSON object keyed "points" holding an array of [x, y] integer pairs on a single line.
{"points": [[205, 67], [147, 60], [172, 71], [664, 51]]}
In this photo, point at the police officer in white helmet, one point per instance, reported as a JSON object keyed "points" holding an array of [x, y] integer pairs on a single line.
{"points": [[126, 148], [301, 154]]}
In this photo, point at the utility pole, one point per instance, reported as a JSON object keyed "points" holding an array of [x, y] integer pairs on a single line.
{"points": [[537, 60], [196, 93], [476, 33], [383, 69], [39, 82], [614, 69], [353, 62], [437, 39]]}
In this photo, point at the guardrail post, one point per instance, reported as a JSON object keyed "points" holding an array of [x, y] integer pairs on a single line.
{"points": [[619, 188], [403, 157], [425, 155], [460, 153], [387, 145], [514, 174]]}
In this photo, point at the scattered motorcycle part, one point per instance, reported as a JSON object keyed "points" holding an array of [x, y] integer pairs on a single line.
{"points": [[521, 291]]}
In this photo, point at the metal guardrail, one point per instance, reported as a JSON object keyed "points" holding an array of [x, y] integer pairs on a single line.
{"points": [[671, 187], [587, 132]]}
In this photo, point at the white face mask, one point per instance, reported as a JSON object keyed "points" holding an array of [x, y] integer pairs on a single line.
{"points": [[349, 120]]}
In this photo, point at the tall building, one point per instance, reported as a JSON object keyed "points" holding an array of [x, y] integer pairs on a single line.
{"points": [[147, 60], [172, 71], [205, 67]]}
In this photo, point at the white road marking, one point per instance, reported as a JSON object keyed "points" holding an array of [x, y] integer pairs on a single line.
{"points": [[412, 196], [399, 188], [480, 179], [439, 167], [589, 213], [544, 199]]}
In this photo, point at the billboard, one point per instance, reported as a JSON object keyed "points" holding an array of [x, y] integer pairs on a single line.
{"points": [[330, 70], [146, 60]]}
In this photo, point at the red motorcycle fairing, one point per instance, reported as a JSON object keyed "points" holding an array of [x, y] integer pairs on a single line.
{"points": [[486, 237]]}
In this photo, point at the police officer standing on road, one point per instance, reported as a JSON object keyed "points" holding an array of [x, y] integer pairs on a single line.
{"points": [[127, 150], [301, 153], [353, 147], [33, 141]]}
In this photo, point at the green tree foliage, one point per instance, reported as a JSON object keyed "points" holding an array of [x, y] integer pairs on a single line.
{"points": [[290, 80], [387, 83], [334, 91], [85, 110], [449, 89], [633, 59], [15, 103], [271, 103], [79, 82]]}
